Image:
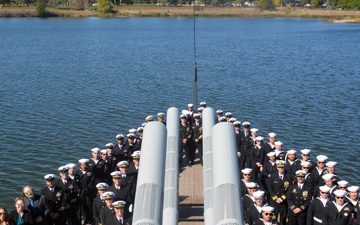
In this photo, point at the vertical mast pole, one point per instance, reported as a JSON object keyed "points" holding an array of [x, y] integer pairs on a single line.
{"points": [[195, 68]]}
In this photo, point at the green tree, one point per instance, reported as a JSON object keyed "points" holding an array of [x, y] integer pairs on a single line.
{"points": [[354, 4], [105, 7], [41, 8], [315, 3], [266, 4]]}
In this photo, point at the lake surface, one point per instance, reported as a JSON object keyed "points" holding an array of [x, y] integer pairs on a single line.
{"points": [[69, 85]]}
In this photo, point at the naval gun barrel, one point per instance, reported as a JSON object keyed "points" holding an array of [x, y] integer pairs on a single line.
{"points": [[171, 191], [227, 197], [208, 123], [149, 196]]}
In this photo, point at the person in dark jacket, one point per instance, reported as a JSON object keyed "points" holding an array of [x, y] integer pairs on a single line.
{"points": [[20, 216], [36, 205], [338, 212]]}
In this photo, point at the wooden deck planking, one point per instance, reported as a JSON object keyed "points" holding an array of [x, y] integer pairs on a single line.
{"points": [[191, 197]]}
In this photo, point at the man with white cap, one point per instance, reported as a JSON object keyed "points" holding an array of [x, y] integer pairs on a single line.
{"points": [[267, 217], [291, 160], [268, 147], [55, 197], [353, 198], [130, 145], [319, 170], [328, 181], [99, 201], [305, 157], [246, 178], [70, 194], [119, 217], [298, 198], [278, 187], [197, 138], [338, 212], [248, 198], [316, 208], [87, 189], [255, 156], [108, 210], [253, 213], [119, 151], [161, 118], [203, 105], [219, 115], [330, 168], [268, 168], [279, 153], [187, 146], [244, 145], [97, 164]]}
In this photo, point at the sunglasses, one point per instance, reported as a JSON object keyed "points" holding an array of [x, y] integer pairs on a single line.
{"points": [[325, 193], [321, 162], [258, 198], [268, 214], [339, 197], [28, 192], [20, 204], [252, 188], [305, 167], [103, 154], [246, 174], [305, 155], [342, 187]]}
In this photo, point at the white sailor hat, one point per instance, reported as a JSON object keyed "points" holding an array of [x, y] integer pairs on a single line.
{"points": [[280, 163], [183, 116], [342, 183], [331, 164], [161, 115], [50, 177], [131, 135], [339, 193], [305, 164], [219, 112], [353, 188], [228, 114], [140, 129], [196, 115], [232, 120], [143, 124], [149, 118], [119, 136], [300, 173], [122, 164], [305, 151], [95, 149], [200, 109], [271, 154], [83, 160], [254, 130], [327, 176], [259, 138], [109, 145], [222, 119], [104, 151], [267, 209], [108, 195], [71, 165], [63, 168], [258, 193], [272, 134], [190, 105], [324, 188], [321, 158], [292, 151], [136, 154], [116, 174], [251, 185], [119, 204], [246, 171], [278, 143], [246, 124], [237, 123], [202, 103], [102, 186], [184, 111], [132, 130]]}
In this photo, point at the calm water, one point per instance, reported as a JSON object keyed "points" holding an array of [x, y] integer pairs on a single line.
{"points": [[68, 85]]}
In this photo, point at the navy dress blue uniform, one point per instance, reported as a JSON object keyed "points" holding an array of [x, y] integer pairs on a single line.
{"points": [[87, 193], [244, 145], [98, 204], [71, 199], [197, 130], [278, 189], [315, 212], [57, 204], [186, 144], [113, 220], [105, 214], [255, 158], [298, 198], [332, 216]]}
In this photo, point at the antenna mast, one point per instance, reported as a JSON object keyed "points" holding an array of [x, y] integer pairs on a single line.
{"points": [[195, 68]]}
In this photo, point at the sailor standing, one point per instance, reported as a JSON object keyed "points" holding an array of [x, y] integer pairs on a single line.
{"points": [[338, 212], [316, 208]]}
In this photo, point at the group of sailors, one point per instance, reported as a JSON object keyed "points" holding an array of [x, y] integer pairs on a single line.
{"points": [[276, 186]]}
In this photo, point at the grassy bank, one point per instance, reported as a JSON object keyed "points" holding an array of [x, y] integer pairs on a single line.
{"points": [[187, 11]]}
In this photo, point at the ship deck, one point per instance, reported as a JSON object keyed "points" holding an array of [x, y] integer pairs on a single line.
{"points": [[191, 197]]}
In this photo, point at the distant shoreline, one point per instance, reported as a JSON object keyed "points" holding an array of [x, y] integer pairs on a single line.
{"points": [[337, 16]]}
